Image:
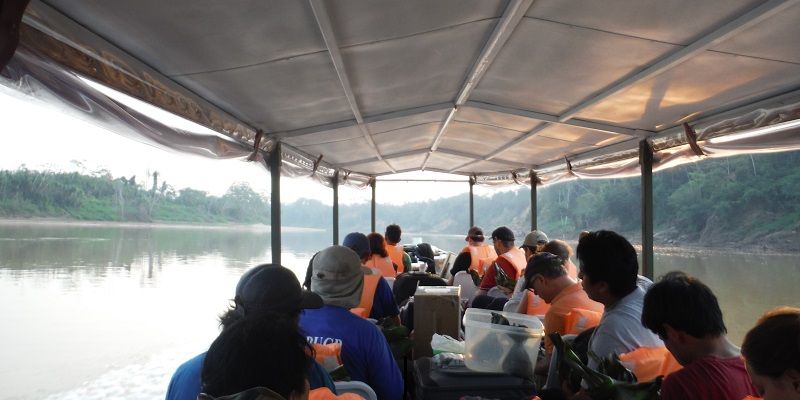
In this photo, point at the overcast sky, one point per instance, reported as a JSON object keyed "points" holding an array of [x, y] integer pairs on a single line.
{"points": [[40, 137]]}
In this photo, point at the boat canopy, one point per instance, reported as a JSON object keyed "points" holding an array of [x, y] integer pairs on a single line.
{"points": [[501, 91]]}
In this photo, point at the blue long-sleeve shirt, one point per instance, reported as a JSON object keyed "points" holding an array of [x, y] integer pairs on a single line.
{"points": [[365, 352], [186, 382]]}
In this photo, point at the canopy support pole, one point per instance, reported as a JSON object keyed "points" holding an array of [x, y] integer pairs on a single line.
{"points": [[646, 164], [533, 200], [10, 20], [372, 215], [471, 203], [336, 208], [275, 202]]}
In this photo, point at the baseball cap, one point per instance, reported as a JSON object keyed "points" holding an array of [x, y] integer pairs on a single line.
{"points": [[503, 233], [337, 276], [357, 242], [475, 233], [535, 237], [273, 288]]}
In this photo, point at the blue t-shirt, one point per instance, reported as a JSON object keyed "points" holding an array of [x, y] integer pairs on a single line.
{"points": [[383, 304], [365, 352], [186, 384]]}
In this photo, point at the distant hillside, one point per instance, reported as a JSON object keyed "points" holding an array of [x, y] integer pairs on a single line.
{"points": [[745, 201]]}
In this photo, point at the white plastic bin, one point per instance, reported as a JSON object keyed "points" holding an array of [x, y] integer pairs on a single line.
{"points": [[501, 348]]}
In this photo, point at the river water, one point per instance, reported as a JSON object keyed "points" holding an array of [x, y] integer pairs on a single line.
{"points": [[91, 312]]}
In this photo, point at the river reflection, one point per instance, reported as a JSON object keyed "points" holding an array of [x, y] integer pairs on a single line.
{"points": [[100, 312]]}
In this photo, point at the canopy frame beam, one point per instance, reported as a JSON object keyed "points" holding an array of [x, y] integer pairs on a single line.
{"points": [[512, 15], [717, 36], [328, 35]]}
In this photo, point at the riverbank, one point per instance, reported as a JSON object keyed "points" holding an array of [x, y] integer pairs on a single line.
{"points": [[156, 224]]}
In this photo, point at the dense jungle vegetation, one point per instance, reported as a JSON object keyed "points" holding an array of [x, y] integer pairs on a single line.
{"points": [[745, 200]]}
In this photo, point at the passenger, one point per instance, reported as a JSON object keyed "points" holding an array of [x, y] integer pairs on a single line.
{"points": [[379, 257], [337, 277], [462, 264], [382, 304], [548, 279], [498, 283], [533, 243], [265, 290], [772, 354], [258, 354], [482, 254], [463, 276], [521, 297], [608, 273], [425, 254], [685, 314], [395, 249]]}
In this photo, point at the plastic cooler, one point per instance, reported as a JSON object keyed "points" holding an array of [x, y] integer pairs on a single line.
{"points": [[501, 348]]}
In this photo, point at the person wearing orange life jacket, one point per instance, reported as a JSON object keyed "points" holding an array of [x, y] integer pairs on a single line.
{"points": [[381, 304], [500, 279], [685, 314], [482, 254], [337, 277], [379, 257], [395, 249], [547, 277]]}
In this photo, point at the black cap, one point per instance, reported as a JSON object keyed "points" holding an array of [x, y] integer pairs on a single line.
{"points": [[503, 233], [273, 288]]}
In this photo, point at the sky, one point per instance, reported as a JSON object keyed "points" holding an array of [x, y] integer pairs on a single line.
{"points": [[39, 136]]}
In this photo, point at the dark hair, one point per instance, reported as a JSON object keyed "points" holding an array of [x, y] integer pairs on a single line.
{"points": [[559, 248], [266, 351], [377, 245], [393, 233], [425, 250], [605, 256], [461, 263], [475, 234], [309, 271], [685, 304], [773, 346], [546, 264]]}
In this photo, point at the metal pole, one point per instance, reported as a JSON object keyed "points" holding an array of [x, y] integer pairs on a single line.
{"points": [[471, 204], [275, 202], [336, 208], [533, 200], [646, 164], [372, 184]]}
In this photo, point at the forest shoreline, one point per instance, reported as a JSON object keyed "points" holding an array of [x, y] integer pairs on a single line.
{"points": [[780, 247], [47, 221]]}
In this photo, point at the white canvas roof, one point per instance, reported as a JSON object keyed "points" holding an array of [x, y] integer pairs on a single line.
{"points": [[479, 88]]}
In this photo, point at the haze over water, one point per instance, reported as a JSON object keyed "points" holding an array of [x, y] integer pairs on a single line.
{"points": [[94, 312]]}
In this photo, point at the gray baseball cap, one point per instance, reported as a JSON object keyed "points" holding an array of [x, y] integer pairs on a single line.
{"points": [[337, 276], [535, 237]]}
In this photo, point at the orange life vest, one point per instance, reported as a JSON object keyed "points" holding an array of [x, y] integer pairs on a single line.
{"points": [[324, 393], [536, 306], [482, 257], [396, 255], [382, 264], [367, 296], [516, 257], [579, 320], [328, 355], [647, 363]]}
